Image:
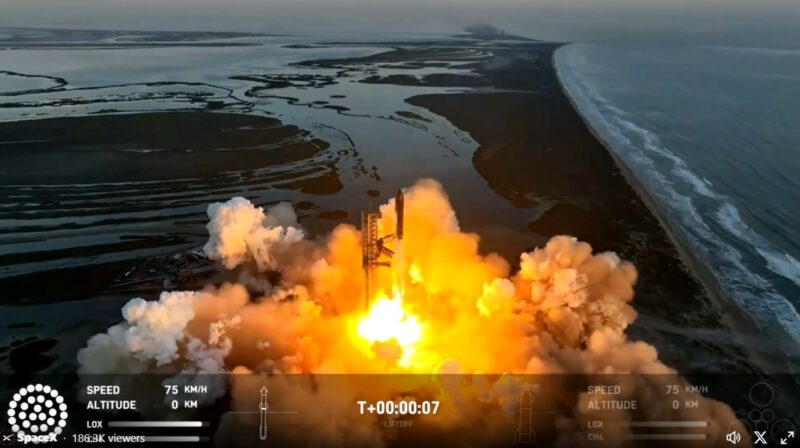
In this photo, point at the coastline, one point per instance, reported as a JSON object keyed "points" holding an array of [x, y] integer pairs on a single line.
{"points": [[745, 329], [536, 151]]}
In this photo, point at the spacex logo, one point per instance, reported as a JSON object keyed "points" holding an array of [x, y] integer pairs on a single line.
{"points": [[37, 414]]}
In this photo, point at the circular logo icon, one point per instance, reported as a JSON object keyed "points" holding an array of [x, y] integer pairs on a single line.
{"points": [[37, 412]]}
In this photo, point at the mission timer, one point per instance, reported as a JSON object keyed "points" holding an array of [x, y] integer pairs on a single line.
{"points": [[403, 407]]}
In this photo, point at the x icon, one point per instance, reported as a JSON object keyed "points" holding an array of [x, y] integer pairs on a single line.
{"points": [[760, 438], [6, 438]]}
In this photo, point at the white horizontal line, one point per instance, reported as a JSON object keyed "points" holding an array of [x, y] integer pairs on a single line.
{"points": [[155, 424], [172, 438], [663, 436], [665, 424]]}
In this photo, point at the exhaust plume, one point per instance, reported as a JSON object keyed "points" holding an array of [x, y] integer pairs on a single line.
{"points": [[460, 313]]}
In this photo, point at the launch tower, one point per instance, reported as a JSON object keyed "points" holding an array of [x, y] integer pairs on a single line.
{"points": [[374, 251]]}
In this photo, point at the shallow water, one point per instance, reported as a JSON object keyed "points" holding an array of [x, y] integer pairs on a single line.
{"points": [[51, 222]]}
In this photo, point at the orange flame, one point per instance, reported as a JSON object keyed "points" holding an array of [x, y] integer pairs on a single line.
{"points": [[415, 274], [387, 321]]}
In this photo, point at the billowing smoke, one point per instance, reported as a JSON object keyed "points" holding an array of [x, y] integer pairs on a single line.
{"points": [[154, 334], [240, 232], [461, 313]]}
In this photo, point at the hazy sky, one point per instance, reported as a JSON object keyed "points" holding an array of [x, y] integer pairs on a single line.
{"points": [[727, 22]]}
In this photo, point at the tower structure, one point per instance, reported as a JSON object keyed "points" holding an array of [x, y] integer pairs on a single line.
{"points": [[374, 252]]}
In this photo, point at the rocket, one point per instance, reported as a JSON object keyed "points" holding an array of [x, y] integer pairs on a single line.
{"points": [[399, 204], [525, 432], [399, 275], [263, 406]]}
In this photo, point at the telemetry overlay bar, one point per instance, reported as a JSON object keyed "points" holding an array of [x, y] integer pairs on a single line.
{"points": [[666, 424], [157, 424], [663, 436], [175, 439]]}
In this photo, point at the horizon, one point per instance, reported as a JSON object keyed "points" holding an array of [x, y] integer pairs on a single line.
{"points": [[739, 23]]}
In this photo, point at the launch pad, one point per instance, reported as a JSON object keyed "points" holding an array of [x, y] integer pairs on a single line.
{"points": [[374, 251]]}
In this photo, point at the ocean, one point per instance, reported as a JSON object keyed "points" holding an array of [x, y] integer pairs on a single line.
{"points": [[711, 135]]}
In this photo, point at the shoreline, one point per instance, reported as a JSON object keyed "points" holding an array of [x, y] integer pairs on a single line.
{"points": [[537, 152], [733, 316]]}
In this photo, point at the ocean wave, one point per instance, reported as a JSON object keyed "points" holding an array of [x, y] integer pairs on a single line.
{"points": [[719, 239], [778, 262], [782, 264]]}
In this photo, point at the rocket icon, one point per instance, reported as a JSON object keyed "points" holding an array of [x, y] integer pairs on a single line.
{"points": [[263, 406], [525, 432]]}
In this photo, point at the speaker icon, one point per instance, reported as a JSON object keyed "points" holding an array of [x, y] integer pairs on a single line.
{"points": [[733, 437]]}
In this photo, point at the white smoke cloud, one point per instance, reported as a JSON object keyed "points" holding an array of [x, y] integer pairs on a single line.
{"points": [[580, 292], [151, 333], [156, 333], [240, 232]]}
